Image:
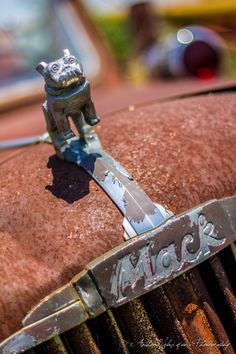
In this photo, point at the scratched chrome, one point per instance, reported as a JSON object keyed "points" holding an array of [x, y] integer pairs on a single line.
{"points": [[130, 270], [26, 141], [140, 212], [38, 332]]}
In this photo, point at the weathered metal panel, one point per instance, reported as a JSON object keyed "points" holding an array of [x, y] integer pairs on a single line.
{"points": [[45, 329], [61, 298]]}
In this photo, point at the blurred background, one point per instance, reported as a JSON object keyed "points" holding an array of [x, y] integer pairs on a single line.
{"points": [[122, 44], [172, 38]]}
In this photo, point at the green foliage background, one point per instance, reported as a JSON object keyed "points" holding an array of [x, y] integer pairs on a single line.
{"points": [[116, 31]]}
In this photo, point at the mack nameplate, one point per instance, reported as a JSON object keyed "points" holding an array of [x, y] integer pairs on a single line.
{"points": [[142, 264]]}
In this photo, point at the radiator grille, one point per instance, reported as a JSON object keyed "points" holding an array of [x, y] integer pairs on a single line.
{"points": [[194, 313]]}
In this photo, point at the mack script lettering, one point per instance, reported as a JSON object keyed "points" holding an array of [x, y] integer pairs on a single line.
{"points": [[150, 269]]}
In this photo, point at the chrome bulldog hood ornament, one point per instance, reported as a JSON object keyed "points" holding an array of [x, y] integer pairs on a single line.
{"points": [[68, 95]]}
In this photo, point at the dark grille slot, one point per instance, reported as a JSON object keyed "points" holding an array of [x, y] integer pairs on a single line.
{"points": [[164, 319], [215, 323], [224, 285], [137, 329], [52, 346], [191, 315], [227, 258], [108, 334], [79, 340], [221, 295]]}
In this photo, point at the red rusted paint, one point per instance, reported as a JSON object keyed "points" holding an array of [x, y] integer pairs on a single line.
{"points": [[178, 152]]}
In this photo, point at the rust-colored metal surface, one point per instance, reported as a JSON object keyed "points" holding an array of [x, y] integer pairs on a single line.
{"points": [[132, 269], [224, 285], [80, 340], [29, 119], [51, 220], [205, 302], [163, 316], [191, 315], [135, 322]]}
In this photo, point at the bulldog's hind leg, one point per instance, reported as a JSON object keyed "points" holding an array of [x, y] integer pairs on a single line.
{"points": [[89, 113], [63, 127], [83, 128]]}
